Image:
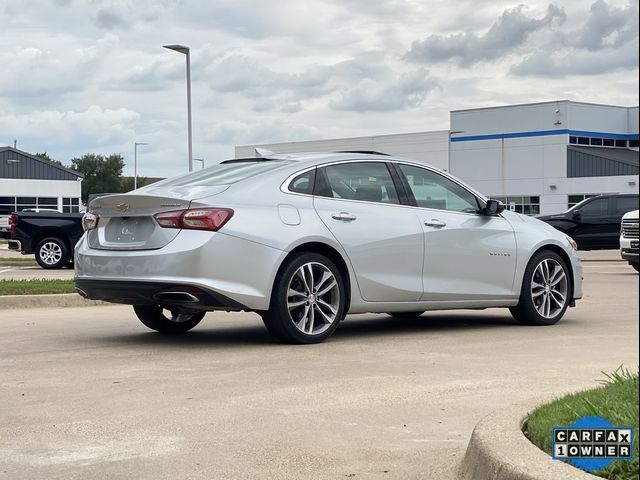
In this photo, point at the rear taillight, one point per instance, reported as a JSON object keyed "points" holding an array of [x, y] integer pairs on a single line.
{"points": [[13, 220], [90, 221], [211, 219]]}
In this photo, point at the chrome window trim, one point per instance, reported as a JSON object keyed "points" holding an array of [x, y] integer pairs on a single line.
{"points": [[284, 187]]}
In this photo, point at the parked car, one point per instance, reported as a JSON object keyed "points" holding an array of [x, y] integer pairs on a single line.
{"points": [[50, 235], [4, 226], [629, 239], [305, 239], [594, 223]]}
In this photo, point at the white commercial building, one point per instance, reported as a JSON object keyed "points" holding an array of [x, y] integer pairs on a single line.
{"points": [[27, 181], [538, 158]]}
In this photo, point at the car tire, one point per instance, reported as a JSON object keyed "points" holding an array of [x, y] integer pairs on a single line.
{"points": [[636, 266], [52, 253], [154, 317], [308, 300], [406, 315], [546, 290]]}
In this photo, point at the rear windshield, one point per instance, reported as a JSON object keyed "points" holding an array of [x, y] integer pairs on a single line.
{"points": [[222, 174]]}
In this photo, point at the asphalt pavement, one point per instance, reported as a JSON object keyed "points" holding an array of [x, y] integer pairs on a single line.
{"points": [[90, 393]]}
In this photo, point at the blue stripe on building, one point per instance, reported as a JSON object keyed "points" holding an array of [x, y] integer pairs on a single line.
{"points": [[544, 133]]}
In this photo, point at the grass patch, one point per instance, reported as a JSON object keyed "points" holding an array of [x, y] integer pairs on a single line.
{"points": [[4, 261], [616, 400], [35, 287]]}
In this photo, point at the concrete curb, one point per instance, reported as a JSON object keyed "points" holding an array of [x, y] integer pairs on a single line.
{"points": [[498, 450], [46, 301]]}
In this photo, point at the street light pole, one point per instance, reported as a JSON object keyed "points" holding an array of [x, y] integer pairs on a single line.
{"points": [[185, 50], [199, 160], [135, 163]]}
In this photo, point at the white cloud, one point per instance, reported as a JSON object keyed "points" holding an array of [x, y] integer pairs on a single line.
{"points": [[84, 76]]}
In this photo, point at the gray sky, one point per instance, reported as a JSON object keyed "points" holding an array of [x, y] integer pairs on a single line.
{"points": [[84, 76]]}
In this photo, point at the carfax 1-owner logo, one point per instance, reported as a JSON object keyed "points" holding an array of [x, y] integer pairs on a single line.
{"points": [[592, 443]]}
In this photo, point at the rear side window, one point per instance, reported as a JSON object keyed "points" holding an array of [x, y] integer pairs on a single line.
{"points": [[303, 183], [364, 181], [223, 174]]}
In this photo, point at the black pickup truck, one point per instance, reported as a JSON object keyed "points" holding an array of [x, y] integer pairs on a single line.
{"points": [[50, 235]]}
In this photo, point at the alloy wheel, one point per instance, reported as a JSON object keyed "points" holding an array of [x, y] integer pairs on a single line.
{"points": [[50, 253], [313, 298], [549, 287]]}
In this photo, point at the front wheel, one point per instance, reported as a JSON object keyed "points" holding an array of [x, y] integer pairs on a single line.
{"points": [[308, 300], [170, 322], [52, 253], [545, 292]]}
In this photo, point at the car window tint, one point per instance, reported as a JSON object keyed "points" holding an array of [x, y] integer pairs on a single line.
{"points": [[303, 183], [432, 190], [595, 208], [627, 204], [367, 182]]}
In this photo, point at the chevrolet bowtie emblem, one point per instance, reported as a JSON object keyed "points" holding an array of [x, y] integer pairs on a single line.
{"points": [[122, 207]]}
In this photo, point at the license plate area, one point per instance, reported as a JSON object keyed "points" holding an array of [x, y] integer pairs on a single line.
{"points": [[128, 230]]}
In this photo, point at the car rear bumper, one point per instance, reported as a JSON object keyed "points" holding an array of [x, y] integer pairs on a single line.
{"points": [[230, 272], [188, 297]]}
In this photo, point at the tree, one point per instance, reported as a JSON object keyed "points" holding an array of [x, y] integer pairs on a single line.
{"points": [[45, 156], [102, 174], [127, 183]]}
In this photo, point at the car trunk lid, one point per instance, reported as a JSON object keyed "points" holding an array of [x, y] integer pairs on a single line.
{"points": [[126, 221]]}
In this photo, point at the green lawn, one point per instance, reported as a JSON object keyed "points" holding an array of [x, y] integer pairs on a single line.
{"points": [[616, 400], [35, 287], [22, 261]]}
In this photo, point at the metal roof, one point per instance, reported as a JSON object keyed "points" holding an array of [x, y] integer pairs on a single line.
{"points": [[17, 164]]}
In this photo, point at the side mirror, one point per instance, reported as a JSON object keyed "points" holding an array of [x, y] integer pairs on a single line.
{"points": [[494, 207]]}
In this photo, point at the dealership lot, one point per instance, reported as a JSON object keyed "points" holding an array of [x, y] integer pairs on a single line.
{"points": [[89, 393]]}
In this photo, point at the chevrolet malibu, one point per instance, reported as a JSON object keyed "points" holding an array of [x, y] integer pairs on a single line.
{"points": [[305, 239]]}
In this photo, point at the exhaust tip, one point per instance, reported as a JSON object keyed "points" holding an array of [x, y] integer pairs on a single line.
{"points": [[176, 297], [82, 293]]}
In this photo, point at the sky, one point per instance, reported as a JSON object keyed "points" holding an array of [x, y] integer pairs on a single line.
{"points": [[80, 76]]}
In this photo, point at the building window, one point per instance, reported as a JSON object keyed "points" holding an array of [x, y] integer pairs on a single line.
{"points": [[602, 142], [575, 199], [529, 205], [70, 205]]}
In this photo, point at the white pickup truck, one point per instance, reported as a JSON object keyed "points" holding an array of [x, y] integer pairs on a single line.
{"points": [[4, 225], [629, 239]]}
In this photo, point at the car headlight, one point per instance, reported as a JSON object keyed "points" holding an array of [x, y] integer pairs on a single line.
{"points": [[572, 243]]}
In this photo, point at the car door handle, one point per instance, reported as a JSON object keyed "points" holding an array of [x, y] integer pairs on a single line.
{"points": [[435, 223], [344, 216]]}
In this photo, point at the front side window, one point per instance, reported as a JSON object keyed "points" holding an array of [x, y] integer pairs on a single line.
{"points": [[365, 181], [432, 190], [595, 208], [626, 204]]}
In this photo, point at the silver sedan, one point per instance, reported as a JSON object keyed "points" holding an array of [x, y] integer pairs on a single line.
{"points": [[305, 239]]}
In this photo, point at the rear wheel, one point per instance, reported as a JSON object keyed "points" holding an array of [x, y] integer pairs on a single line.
{"points": [[165, 321], [52, 253], [406, 315], [308, 300], [545, 292]]}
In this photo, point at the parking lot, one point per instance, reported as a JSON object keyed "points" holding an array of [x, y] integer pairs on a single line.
{"points": [[90, 393]]}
